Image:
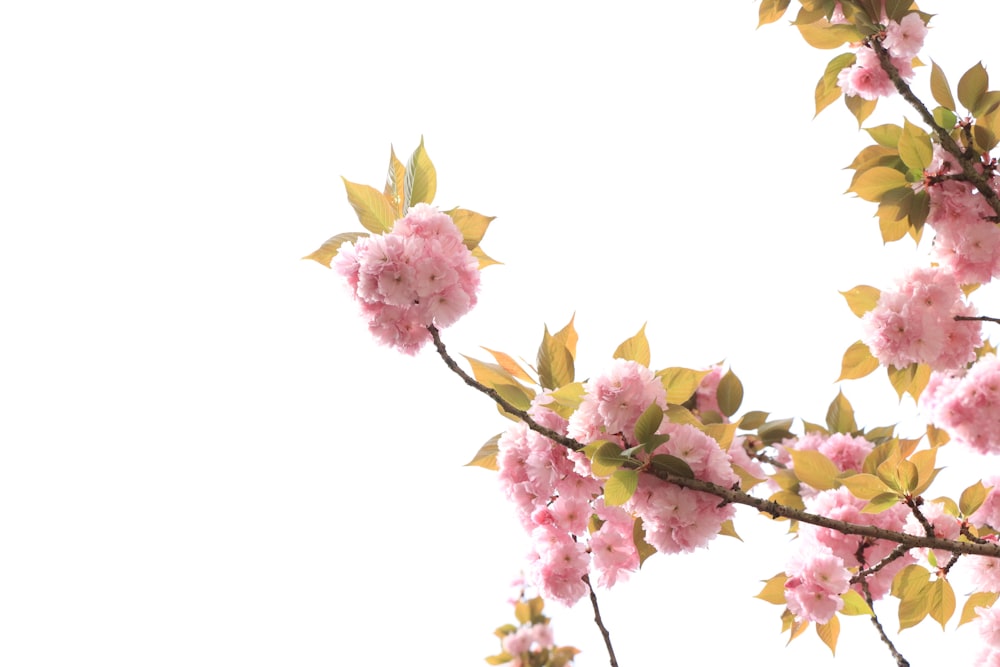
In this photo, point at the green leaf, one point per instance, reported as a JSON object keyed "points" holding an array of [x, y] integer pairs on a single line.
{"points": [[486, 457], [861, 299], [752, 420], [872, 184], [648, 422], [881, 503], [980, 599], [914, 603], [771, 10], [421, 178], [886, 135], [814, 428], [945, 118], [568, 336], [827, 89], [829, 632], [815, 469], [941, 90], [855, 605], [472, 225], [635, 348], [515, 394], [857, 363], [908, 476], [865, 486], [326, 252], [620, 487], [680, 383], [395, 185], [942, 601], [924, 462], [860, 107], [915, 147], [972, 498], [605, 457], [840, 415], [374, 211], [824, 35], [902, 378], [972, 86], [729, 393], [774, 589], [555, 363], [672, 465]]}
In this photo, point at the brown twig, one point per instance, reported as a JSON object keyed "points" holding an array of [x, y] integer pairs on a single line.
{"points": [[977, 318], [900, 660], [600, 622]]}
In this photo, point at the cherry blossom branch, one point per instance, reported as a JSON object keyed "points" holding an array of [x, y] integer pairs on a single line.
{"points": [[900, 660], [977, 318], [734, 495], [980, 182], [914, 505], [600, 621]]}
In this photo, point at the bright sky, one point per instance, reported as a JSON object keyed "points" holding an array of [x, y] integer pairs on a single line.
{"points": [[205, 458]]}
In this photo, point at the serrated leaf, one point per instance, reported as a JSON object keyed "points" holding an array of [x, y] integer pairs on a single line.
{"points": [[672, 465], [372, 208], [972, 498], [555, 363], [508, 364], [729, 394], [872, 184], [865, 486], [840, 415], [421, 177], [486, 457], [857, 363], [980, 599], [861, 299], [472, 225], [942, 601], [829, 632], [940, 89], [972, 86], [326, 252], [648, 422], [635, 348], [774, 589], [770, 11], [815, 469], [395, 185], [854, 604], [644, 548], [620, 487], [680, 383]]}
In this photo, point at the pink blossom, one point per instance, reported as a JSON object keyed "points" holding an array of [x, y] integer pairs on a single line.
{"points": [[967, 404], [988, 513], [614, 401], [906, 38], [989, 626], [706, 396], [944, 525], [867, 79], [816, 580], [418, 275], [614, 554]]}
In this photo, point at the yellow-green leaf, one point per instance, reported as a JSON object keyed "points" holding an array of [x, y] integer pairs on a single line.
{"points": [[972, 498], [555, 363], [395, 184], [940, 88], [840, 415], [915, 147], [942, 601], [568, 336], [771, 10], [605, 457], [972, 86], [326, 252], [373, 209], [860, 107], [620, 487], [815, 469], [924, 461], [515, 394], [486, 457], [648, 422], [508, 364], [635, 348], [886, 135], [829, 632], [421, 177], [824, 35], [980, 599], [872, 184], [484, 259], [865, 486], [729, 393], [680, 383], [472, 225], [854, 604], [644, 548], [727, 529], [857, 363], [902, 378], [827, 89], [861, 299], [774, 589], [881, 503]]}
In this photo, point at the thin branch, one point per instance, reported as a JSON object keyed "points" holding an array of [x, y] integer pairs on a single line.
{"points": [[895, 554], [734, 495], [980, 182], [600, 621], [914, 505], [900, 660], [977, 318]]}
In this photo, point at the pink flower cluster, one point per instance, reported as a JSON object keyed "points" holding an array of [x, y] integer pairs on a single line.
{"points": [[706, 397], [945, 526], [812, 565], [419, 274], [557, 496], [848, 452], [915, 322], [967, 404], [866, 78], [528, 639], [989, 631], [966, 243]]}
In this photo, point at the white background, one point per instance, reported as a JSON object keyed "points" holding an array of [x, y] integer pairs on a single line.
{"points": [[205, 459]]}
